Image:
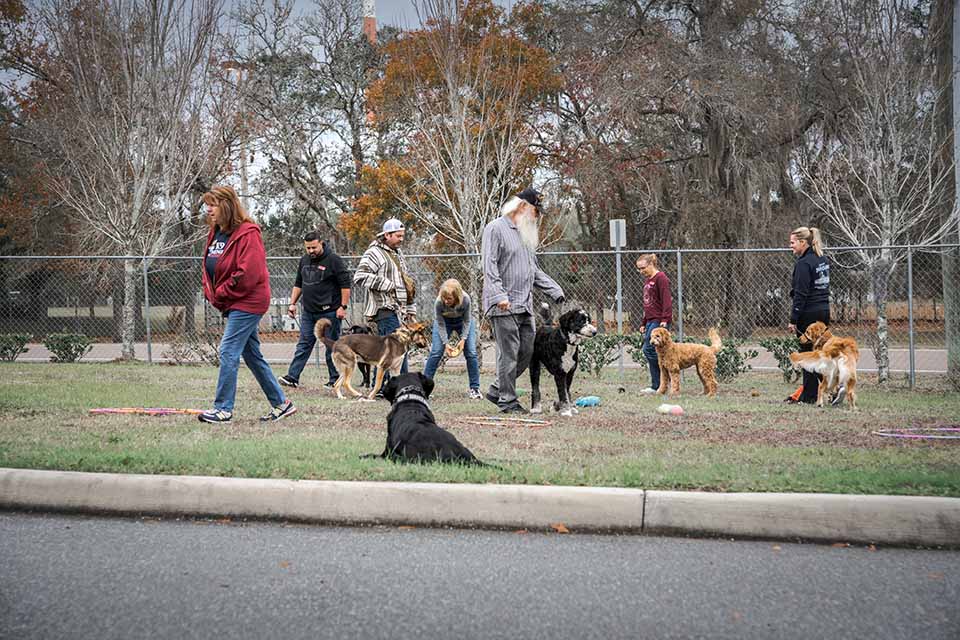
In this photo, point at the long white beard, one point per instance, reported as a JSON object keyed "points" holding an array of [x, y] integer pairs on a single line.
{"points": [[529, 232]]}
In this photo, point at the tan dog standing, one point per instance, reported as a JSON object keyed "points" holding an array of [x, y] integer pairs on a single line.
{"points": [[384, 352], [674, 357]]}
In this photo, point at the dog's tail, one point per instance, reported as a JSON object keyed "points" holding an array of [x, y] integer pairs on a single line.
{"points": [[545, 316], [715, 343], [321, 330]]}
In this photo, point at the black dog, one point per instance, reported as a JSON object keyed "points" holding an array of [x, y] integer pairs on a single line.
{"points": [[412, 431], [364, 368], [558, 350]]}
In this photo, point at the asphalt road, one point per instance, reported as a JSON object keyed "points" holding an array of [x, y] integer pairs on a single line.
{"points": [[83, 577]]}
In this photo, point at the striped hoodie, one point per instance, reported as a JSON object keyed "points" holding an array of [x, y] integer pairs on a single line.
{"points": [[378, 274]]}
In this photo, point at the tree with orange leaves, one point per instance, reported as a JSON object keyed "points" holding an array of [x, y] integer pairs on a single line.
{"points": [[459, 97]]}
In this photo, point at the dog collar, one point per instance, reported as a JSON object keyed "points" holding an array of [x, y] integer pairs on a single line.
{"points": [[411, 397]]}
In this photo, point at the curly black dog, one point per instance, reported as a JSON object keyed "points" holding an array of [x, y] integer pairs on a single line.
{"points": [[356, 330], [412, 431], [558, 350]]}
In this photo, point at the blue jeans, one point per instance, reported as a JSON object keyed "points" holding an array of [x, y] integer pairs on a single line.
{"points": [[650, 353], [240, 338], [385, 327], [308, 339], [469, 350]]}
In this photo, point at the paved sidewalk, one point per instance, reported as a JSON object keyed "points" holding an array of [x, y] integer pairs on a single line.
{"points": [[928, 361], [890, 520]]}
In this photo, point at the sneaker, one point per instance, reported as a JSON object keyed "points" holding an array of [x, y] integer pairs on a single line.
{"points": [[841, 394], [278, 413], [287, 381], [648, 391], [474, 394], [215, 416], [495, 400], [330, 384], [515, 408], [794, 397]]}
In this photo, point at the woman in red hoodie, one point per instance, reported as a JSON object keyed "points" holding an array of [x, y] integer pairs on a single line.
{"points": [[236, 282]]}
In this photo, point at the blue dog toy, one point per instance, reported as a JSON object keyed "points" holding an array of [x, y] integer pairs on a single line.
{"points": [[588, 401]]}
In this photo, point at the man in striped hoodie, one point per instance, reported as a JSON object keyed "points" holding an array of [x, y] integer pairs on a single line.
{"points": [[381, 272]]}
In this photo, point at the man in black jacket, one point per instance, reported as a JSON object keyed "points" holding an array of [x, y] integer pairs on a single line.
{"points": [[323, 288]]}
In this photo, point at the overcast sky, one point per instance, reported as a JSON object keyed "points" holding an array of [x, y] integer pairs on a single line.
{"points": [[399, 13]]}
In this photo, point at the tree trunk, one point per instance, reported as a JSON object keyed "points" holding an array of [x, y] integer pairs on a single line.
{"points": [[941, 28], [129, 324], [880, 278]]}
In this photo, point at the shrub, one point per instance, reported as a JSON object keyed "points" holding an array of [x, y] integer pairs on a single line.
{"points": [[781, 348], [731, 361], [634, 343], [67, 347], [599, 351], [12, 345]]}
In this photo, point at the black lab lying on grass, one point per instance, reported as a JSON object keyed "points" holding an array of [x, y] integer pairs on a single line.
{"points": [[412, 431]]}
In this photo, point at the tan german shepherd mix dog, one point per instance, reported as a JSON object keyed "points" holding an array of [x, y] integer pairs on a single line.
{"points": [[383, 352]]}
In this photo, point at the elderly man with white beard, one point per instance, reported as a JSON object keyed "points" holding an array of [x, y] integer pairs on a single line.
{"points": [[510, 272]]}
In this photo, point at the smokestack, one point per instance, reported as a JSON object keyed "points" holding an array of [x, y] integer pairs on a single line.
{"points": [[370, 20]]}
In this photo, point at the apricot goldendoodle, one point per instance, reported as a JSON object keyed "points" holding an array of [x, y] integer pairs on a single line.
{"points": [[674, 357]]}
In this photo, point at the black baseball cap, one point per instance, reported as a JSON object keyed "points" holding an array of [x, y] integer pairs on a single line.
{"points": [[532, 196]]}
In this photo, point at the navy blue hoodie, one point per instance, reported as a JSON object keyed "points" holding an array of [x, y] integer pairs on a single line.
{"points": [[811, 285]]}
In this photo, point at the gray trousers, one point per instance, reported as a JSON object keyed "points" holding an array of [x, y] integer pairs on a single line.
{"points": [[513, 335]]}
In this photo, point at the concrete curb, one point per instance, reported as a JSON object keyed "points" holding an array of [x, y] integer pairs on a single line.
{"points": [[877, 519]]}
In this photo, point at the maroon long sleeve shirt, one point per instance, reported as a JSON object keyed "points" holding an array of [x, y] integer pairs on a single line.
{"points": [[657, 303]]}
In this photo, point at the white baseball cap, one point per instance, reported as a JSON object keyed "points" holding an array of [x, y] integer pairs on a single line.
{"points": [[390, 226]]}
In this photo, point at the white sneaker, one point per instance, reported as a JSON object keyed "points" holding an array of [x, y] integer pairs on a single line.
{"points": [[648, 391]]}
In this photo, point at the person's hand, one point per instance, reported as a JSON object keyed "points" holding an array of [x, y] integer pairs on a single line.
{"points": [[341, 313], [663, 324], [448, 350], [292, 311], [410, 318], [460, 344], [792, 328], [643, 329], [503, 306]]}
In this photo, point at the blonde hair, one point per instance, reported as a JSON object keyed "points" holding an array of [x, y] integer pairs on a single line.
{"points": [[649, 258], [452, 289], [810, 235], [225, 197]]}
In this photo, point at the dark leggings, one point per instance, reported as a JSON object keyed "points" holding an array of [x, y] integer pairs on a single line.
{"points": [[811, 381]]}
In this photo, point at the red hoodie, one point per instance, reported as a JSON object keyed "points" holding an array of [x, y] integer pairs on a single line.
{"points": [[240, 279]]}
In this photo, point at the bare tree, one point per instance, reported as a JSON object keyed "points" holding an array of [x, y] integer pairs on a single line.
{"points": [[879, 180], [131, 134], [305, 98]]}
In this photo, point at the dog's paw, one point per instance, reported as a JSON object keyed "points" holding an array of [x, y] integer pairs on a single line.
{"points": [[536, 409], [576, 411], [568, 412]]}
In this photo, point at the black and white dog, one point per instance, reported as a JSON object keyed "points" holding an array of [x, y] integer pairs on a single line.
{"points": [[412, 432], [558, 350]]}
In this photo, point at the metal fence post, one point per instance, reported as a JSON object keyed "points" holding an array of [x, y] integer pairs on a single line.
{"points": [[146, 310], [680, 294], [619, 312], [913, 355]]}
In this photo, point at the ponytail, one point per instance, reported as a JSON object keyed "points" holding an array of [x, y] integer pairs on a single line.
{"points": [[812, 237]]}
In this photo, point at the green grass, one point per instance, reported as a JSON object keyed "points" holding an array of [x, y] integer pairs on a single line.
{"points": [[744, 440]]}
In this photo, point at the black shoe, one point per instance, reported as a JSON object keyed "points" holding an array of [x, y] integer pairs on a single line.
{"points": [[841, 394], [515, 408], [287, 381], [791, 400], [330, 384], [491, 398]]}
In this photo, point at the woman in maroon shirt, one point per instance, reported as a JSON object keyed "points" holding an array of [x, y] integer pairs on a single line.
{"points": [[236, 282], [657, 312]]}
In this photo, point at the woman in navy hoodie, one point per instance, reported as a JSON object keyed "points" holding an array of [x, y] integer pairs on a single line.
{"points": [[811, 298], [236, 282]]}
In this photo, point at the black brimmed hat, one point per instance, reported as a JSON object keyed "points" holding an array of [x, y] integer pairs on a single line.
{"points": [[530, 195]]}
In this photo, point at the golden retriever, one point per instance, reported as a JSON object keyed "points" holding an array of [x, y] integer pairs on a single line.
{"points": [[836, 362], [675, 356]]}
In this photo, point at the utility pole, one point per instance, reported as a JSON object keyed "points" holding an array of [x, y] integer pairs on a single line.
{"points": [[370, 20]]}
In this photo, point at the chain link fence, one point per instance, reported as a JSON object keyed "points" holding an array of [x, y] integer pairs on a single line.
{"points": [[744, 292]]}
